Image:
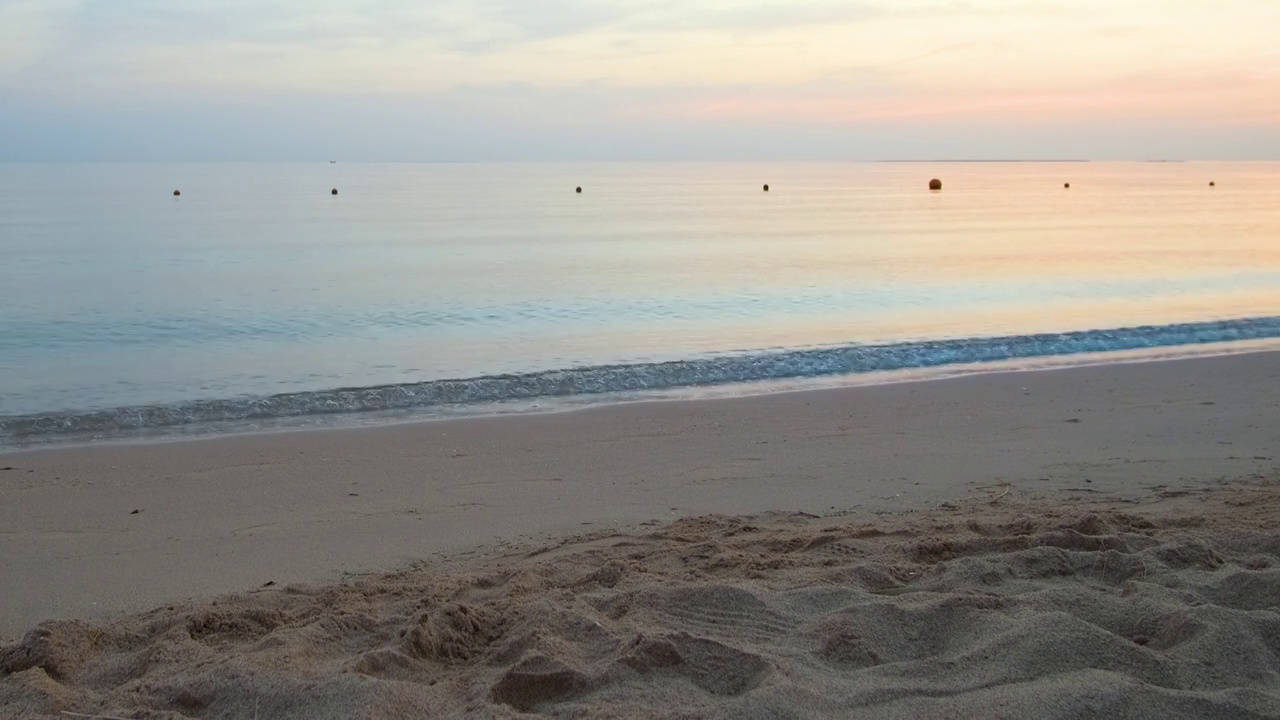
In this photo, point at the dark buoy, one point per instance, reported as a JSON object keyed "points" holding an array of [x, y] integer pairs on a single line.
{"points": [[1213, 184], [177, 193], [1066, 185], [766, 188], [578, 190], [333, 191], [935, 184]]}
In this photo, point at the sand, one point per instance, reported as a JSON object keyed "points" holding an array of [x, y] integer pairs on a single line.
{"points": [[1125, 569], [997, 608], [220, 515]]}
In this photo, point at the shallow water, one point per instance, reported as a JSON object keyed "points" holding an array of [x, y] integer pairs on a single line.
{"points": [[257, 281]]}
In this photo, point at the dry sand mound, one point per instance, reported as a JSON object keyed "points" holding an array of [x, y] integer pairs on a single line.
{"points": [[994, 611]]}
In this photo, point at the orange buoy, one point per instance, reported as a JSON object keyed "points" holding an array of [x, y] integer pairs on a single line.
{"points": [[1066, 185], [1213, 184], [935, 184]]}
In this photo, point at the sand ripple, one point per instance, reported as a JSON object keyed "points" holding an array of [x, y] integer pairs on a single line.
{"points": [[997, 611]]}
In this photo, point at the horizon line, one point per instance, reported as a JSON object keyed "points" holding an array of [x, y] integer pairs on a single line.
{"points": [[121, 161]]}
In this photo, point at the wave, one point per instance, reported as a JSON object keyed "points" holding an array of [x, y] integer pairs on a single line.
{"points": [[596, 380]]}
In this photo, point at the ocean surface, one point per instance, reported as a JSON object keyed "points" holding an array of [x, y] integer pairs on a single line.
{"points": [[258, 295]]}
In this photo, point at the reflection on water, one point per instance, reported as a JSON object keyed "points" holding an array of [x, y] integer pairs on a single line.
{"points": [[257, 281]]}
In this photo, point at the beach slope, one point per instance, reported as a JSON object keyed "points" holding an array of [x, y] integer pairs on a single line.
{"points": [[96, 531]]}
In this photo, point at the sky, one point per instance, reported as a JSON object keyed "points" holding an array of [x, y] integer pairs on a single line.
{"points": [[479, 80]]}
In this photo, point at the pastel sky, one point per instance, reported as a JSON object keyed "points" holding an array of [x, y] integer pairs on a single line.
{"points": [[638, 79]]}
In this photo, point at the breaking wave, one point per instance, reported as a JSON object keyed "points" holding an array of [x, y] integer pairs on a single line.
{"points": [[740, 368]]}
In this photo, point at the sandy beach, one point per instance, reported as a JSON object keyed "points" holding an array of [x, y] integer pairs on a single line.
{"points": [[1096, 541]]}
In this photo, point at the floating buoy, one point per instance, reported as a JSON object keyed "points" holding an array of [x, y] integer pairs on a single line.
{"points": [[333, 191], [177, 193], [1213, 184], [766, 188], [935, 184], [1066, 185], [578, 190]]}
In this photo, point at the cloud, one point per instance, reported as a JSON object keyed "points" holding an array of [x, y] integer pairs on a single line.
{"points": [[739, 17], [587, 122], [460, 25], [520, 78]]}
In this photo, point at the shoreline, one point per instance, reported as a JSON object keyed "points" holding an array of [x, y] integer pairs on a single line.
{"points": [[227, 513], [553, 404]]}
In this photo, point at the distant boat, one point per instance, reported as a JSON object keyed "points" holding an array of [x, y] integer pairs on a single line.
{"points": [[333, 162]]}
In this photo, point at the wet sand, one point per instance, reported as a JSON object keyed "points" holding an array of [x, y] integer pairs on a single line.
{"points": [[224, 514]]}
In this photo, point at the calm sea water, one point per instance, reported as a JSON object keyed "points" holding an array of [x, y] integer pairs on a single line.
{"points": [[121, 305]]}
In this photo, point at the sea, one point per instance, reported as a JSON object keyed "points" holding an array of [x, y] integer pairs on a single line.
{"points": [[258, 299]]}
